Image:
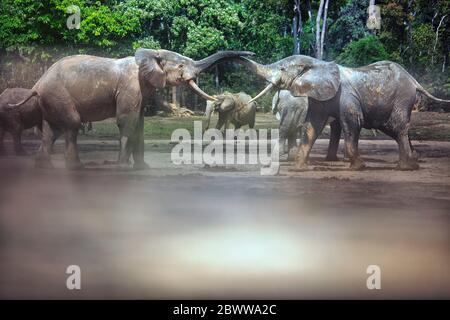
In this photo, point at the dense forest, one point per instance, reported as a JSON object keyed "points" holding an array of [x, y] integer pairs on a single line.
{"points": [[414, 33]]}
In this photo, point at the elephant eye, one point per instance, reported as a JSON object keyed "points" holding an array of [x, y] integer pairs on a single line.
{"points": [[180, 66]]}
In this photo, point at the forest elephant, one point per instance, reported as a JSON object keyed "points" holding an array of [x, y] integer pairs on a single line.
{"points": [[233, 108], [84, 88], [291, 112], [15, 119], [378, 96]]}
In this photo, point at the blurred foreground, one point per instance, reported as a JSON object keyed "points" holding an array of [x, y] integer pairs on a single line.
{"points": [[226, 232]]}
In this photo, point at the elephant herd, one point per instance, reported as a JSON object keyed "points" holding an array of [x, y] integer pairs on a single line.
{"points": [[309, 94]]}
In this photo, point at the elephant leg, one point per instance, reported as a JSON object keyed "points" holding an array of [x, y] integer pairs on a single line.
{"points": [[72, 160], [311, 130], [56, 135], [220, 122], [351, 146], [2, 135], [292, 143], [17, 138], [43, 159], [139, 146], [351, 122], [414, 152], [407, 159], [335, 135], [126, 137], [130, 120]]}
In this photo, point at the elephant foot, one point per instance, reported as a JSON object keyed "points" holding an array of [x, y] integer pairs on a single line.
{"points": [[299, 167], [140, 166], [2, 151], [332, 158], [74, 165], [357, 164], [408, 165], [43, 164]]}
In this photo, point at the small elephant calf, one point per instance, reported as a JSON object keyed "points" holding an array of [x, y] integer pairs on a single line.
{"points": [[15, 119], [234, 108], [292, 112]]}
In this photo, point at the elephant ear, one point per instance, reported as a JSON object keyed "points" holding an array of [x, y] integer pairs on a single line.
{"points": [[321, 82], [149, 69]]}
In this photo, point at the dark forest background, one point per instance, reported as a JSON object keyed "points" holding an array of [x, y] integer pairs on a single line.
{"points": [[414, 33]]}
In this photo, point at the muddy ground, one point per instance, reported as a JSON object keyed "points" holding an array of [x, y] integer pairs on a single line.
{"points": [[192, 231]]}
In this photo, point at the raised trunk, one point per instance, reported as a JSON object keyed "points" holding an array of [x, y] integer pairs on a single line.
{"points": [[254, 67], [208, 62]]}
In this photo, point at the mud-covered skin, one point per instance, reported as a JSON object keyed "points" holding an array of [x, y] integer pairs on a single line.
{"points": [[293, 113], [16, 119], [84, 88], [378, 96], [232, 108]]}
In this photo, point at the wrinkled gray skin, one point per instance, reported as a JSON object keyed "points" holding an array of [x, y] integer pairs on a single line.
{"points": [[292, 111], [16, 119], [232, 108], [378, 96], [85, 88]]}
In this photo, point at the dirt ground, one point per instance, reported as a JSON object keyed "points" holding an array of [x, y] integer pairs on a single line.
{"points": [[190, 231]]}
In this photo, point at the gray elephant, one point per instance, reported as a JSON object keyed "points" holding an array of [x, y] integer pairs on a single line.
{"points": [[234, 108], [85, 88], [292, 111], [378, 96], [15, 119]]}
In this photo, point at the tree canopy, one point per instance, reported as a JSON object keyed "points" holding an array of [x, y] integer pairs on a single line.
{"points": [[414, 33]]}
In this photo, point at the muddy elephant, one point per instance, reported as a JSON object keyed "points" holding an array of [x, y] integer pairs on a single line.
{"points": [[378, 96], [15, 119], [85, 88], [233, 108], [292, 111]]}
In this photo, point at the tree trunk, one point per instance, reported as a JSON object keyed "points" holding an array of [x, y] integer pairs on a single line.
{"points": [[318, 33], [297, 27], [324, 29]]}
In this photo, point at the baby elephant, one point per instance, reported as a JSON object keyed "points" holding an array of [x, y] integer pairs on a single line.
{"points": [[16, 119], [234, 108], [292, 112]]}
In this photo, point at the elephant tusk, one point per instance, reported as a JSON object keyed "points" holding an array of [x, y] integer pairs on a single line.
{"points": [[270, 86], [200, 91]]}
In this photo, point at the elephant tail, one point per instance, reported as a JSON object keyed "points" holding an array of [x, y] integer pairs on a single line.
{"points": [[32, 94], [429, 95]]}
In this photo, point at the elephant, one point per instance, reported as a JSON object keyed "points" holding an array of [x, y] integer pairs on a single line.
{"points": [[15, 119], [84, 88], [377, 96], [234, 108], [292, 111]]}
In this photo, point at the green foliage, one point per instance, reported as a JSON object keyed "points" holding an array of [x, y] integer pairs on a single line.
{"points": [[33, 34], [349, 26], [362, 52]]}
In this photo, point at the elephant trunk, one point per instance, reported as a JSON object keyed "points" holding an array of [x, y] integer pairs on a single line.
{"points": [[208, 62], [261, 70]]}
